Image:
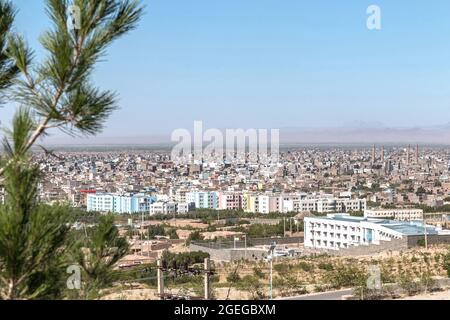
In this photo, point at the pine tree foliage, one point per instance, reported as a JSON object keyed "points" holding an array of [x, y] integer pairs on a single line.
{"points": [[8, 70], [36, 241], [97, 254], [32, 235], [59, 89]]}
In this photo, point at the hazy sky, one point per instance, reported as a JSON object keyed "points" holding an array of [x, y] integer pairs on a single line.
{"points": [[273, 64]]}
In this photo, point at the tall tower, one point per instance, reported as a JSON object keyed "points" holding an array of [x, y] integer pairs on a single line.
{"points": [[408, 154], [373, 154], [417, 154], [382, 154]]}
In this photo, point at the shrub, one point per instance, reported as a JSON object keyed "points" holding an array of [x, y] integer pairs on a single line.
{"points": [[281, 268], [346, 276], [258, 273], [252, 285], [326, 266], [446, 263], [305, 266], [407, 283], [233, 277]]}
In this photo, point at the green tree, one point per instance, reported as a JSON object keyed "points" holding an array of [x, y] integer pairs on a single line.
{"points": [[54, 93], [32, 236], [172, 233], [446, 263], [251, 284], [257, 272], [342, 276], [8, 69], [183, 258], [59, 89], [97, 254], [233, 277], [194, 236], [156, 230], [407, 282]]}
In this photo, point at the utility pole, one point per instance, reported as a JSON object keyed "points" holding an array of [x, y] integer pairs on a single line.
{"points": [[245, 245], [160, 278], [142, 226], [270, 257], [271, 277], [207, 281]]}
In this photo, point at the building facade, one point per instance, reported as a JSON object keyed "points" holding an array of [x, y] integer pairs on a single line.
{"points": [[203, 199], [396, 214], [122, 204], [340, 231]]}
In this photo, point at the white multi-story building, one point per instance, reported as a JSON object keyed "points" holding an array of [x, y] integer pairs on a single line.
{"points": [[332, 204], [169, 208], [180, 195], [269, 203], [203, 199], [396, 214], [183, 207], [336, 231], [272, 202], [290, 203], [163, 208], [126, 203]]}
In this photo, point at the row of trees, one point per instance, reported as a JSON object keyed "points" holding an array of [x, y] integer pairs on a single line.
{"points": [[212, 215], [37, 243]]}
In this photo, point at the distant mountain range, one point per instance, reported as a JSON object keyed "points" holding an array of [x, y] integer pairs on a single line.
{"points": [[379, 134], [359, 133]]}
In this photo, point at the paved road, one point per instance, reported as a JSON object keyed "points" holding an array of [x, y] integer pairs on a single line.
{"points": [[330, 295]]}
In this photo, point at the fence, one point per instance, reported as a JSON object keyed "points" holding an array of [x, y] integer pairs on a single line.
{"points": [[414, 241], [251, 242]]}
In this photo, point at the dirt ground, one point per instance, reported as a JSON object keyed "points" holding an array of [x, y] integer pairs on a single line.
{"points": [[444, 295], [187, 223]]}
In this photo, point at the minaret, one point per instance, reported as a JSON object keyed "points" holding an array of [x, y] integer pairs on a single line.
{"points": [[417, 154], [373, 154], [408, 154]]}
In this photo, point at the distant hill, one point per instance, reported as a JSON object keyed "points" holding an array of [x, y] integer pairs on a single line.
{"points": [[360, 133], [422, 135]]}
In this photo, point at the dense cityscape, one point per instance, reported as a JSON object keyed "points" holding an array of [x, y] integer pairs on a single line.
{"points": [[318, 167], [341, 201], [349, 177]]}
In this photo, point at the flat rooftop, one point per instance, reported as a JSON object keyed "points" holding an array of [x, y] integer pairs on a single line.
{"points": [[406, 228]]}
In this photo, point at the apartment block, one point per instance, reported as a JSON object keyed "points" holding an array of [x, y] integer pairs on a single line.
{"points": [[340, 231], [396, 214], [123, 204]]}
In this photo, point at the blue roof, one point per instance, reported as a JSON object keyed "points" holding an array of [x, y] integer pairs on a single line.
{"points": [[410, 228], [407, 228]]}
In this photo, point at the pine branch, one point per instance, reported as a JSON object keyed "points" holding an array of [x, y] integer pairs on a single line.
{"points": [[8, 70], [62, 95]]}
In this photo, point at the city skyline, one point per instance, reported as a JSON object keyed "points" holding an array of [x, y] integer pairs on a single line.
{"points": [[266, 65]]}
